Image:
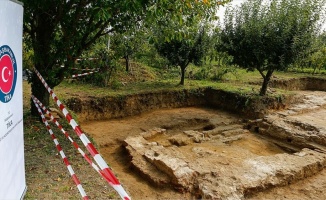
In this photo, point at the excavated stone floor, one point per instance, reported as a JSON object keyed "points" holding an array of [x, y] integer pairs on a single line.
{"points": [[228, 158], [211, 154], [302, 125]]}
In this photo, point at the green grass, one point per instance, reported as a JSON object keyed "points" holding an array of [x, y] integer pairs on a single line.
{"points": [[243, 82], [46, 175], [308, 71]]}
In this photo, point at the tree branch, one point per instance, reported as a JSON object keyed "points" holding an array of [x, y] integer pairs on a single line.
{"points": [[261, 72], [97, 35]]}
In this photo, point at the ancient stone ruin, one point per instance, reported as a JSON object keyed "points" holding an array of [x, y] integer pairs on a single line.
{"points": [[231, 150], [229, 158]]}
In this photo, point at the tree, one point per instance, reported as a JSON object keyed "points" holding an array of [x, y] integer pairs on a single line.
{"points": [[315, 56], [125, 45], [318, 59], [268, 36], [181, 52], [59, 31]]}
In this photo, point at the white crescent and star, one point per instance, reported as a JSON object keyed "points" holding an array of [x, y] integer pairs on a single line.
{"points": [[3, 74], [8, 74]]}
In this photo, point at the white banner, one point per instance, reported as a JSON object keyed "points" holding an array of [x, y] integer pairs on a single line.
{"points": [[12, 165]]}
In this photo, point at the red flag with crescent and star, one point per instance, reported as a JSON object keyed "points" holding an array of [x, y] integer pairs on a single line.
{"points": [[8, 73]]}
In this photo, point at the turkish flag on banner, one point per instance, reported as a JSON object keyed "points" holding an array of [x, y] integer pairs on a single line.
{"points": [[7, 73]]}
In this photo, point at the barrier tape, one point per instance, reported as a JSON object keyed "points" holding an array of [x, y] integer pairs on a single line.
{"points": [[84, 74], [87, 69], [89, 160], [108, 174], [63, 156]]}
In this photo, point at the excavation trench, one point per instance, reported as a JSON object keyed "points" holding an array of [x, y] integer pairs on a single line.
{"points": [[206, 152]]}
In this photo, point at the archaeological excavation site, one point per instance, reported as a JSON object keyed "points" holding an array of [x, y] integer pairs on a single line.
{"points": [[211, 144]]}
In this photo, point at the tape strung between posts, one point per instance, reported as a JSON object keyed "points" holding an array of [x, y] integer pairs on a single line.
{"points": [[108, 174], [89, 160], [84, 74], [87, 69], [63, 156]]}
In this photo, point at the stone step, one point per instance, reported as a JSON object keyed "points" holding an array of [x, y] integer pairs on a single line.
{"points": [[142, 166], [302, 135]]}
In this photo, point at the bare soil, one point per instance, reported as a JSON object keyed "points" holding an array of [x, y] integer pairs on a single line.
{"points": [[110, 136]]}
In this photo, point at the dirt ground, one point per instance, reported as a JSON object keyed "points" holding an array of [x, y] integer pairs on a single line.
{"points": [[110, 134]]}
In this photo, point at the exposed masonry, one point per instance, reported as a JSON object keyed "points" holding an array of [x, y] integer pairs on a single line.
{"points": [[215, 169], [215, 163]]}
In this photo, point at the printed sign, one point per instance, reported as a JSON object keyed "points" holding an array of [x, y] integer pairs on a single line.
{"points": [[12, 164], [8, 69]]}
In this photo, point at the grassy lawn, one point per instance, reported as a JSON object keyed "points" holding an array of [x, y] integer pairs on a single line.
{"points": [[243, 82]]}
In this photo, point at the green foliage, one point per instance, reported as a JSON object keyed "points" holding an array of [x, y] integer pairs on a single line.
{"points": [[220, 73], [28, 57], [149, 56], [101, 61], [181, 14], [201, 74], [115, 84], [269, 36], [126, 45], [314, 58], [213, 72], [318, 59], [183, 52], [59, 31]]}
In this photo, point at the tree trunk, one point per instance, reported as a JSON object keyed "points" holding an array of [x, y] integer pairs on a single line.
{"points": [[127, 62], [40, 92], [267, 78], [182, 81], [43, 63]]}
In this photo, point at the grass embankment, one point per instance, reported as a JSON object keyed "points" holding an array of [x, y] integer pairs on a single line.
{"points": [[48, 178], [240, 82]]}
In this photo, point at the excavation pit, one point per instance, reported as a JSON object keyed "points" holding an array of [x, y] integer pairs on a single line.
{"points": [[218, 164], [207, 153]]}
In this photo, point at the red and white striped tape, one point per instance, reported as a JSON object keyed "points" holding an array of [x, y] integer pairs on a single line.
{"points": [[89, 160], [63, 156], [87, 69], [84, 74], [108, 174]]}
